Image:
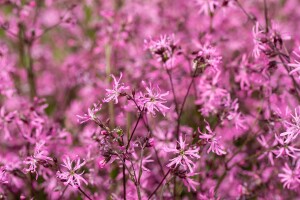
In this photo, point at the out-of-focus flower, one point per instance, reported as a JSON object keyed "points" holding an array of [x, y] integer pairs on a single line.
{"points": [[71, 176], [269, 152], [5, 119], [212, 140], [296, 64], [40, 156], [163, 48], [207, 56], [118, 89], [290, 178], [207, 7], [183, 155], [257, 35], [91, 115], [235, 116]]}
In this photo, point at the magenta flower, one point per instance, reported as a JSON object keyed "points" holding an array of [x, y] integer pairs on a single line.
{"points": [[183, 155], [71, 176], [285, 149], [290, 178], [163, 48], [207, 56], [269, 152], [5, 119], [91, 115], [296, 64], [257, 35], [3, 176], [40, 156], [189, 182], [292, 127], [213, 141], [116, 91], [154, 100], [207, 7]]}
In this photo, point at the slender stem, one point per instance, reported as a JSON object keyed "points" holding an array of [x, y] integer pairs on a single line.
{"points": [[183, 103], [87, 196], [124, 180], [133, 131], [266, 16], [161, 182], [108, 50], [245, 12], [172, 88], [63, 192]]}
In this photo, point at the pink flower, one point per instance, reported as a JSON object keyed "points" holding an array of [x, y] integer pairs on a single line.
{"points": [[207, 6], [3, 176], [91, 115], [116, 91], [235, 116], [296, 64], [5, 119], [269, 152], [154, 100], [207, 56], [189, 182], [71, 175], [293, 127], [290, 178], [213, 141], [285, 149], [39, 157], [183, 155], [163, 47]]}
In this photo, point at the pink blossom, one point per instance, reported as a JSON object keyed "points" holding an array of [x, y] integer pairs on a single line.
{"points": [[184, 155], [290, 178], [91, 115], [213, 141], [114, 93], [71, 176], [40, 156], [153, 100]]}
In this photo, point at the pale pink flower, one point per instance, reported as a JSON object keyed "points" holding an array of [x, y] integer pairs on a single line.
{"points": [[71, 176], [116, 91], [91, 115], [269, 152], [183, 155]]}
